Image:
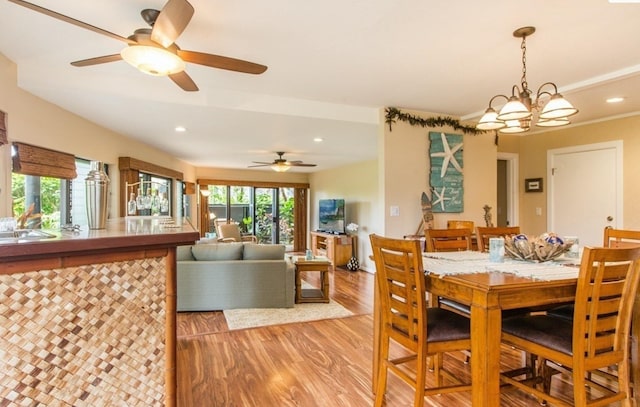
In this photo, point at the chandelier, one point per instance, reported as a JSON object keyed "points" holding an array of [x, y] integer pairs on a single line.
{"points": [[517, 114]]}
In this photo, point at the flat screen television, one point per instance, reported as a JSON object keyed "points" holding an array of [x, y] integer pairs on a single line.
{"points": [[331, 216]]}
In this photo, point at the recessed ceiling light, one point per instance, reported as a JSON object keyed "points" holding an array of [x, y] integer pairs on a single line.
{"points": [[181, 129], [318, 139], [616, 99]]}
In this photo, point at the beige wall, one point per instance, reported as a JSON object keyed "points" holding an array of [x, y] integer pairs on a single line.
{"points": [[405, 160], [533, 148], [34, 121], [397, 178], [358, 185], [251, 175]]}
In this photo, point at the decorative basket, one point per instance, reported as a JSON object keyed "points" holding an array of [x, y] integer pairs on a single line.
{"points": [[545, 247]]}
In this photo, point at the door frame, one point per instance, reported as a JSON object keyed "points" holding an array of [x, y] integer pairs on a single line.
{"points": [[513, 189], [617, 145]]}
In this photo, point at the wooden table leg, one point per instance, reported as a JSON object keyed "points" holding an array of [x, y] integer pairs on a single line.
{"points": [[376, 337], [635, 350], [486, 325], [324, 281], [298, 285]]}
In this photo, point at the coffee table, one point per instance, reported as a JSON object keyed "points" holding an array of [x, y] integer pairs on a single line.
{"points": [[320, 265]]}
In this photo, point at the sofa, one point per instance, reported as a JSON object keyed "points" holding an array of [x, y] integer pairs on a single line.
{"points": [[221, 276]]}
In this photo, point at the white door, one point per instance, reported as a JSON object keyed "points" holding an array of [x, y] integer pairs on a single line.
{"points": [[585, 190]]}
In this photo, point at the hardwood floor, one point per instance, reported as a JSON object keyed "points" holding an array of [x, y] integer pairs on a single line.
{"points": [[319, 363]]}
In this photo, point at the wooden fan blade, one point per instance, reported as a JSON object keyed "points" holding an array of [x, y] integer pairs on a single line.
{"points": [[218, 61], [171, 22], [97, 60], [70, 20], [183, 80], [260, 165], [301, 164]]}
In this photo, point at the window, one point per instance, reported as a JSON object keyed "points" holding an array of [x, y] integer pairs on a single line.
{"points": [[275, 212], [255, 209], [51, 202], [151, 195]]}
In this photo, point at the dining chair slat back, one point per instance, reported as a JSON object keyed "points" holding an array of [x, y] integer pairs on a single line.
{"points": [[460, 224], [597, 336], [483, 234], [447, 240], [621, 237], [403, 312]]}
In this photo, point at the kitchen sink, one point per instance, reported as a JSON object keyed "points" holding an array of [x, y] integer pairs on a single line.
{"points": [[24, 235]]}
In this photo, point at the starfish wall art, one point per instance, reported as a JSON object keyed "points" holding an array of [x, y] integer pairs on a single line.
{"points": [[445, 153]]}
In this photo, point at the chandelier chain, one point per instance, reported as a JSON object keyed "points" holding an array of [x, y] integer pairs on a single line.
{"points": [[523, 47]]}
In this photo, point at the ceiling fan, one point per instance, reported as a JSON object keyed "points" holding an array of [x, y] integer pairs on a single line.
{"points": [[153, 50], [280, 164]]}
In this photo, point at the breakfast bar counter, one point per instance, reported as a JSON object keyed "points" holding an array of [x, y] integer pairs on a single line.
{"points": [[88, 317]]}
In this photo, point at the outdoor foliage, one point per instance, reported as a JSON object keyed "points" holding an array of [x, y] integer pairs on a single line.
{"points": [[49, 199], [241, 197]]}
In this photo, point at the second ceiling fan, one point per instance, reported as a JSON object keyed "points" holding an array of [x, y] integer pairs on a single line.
{"points": [[153, 50], [280, 164]]}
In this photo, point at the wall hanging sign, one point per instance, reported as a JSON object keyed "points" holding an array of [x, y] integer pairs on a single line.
{"points": [[445, 152], [533, 185]]}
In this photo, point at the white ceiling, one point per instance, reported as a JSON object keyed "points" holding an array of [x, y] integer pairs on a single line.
{"points": [[332, 65]]}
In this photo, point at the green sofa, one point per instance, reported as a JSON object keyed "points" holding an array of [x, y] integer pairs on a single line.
{"points": [[221, 276]]}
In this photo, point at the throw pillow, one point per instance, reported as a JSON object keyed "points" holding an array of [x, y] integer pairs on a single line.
{"points": [[221, 251], [264, 252], [206, 240], [183, 253]]}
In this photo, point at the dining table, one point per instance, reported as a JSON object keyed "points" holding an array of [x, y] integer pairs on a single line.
{"points": [[489, 288]]}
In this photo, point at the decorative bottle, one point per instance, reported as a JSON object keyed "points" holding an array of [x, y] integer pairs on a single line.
{"points": [[97, 194], [155, 204], [140, 200], [132, 207], [164, 204]]}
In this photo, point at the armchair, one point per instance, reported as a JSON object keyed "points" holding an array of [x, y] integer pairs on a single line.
{"points": [[230, 232]]}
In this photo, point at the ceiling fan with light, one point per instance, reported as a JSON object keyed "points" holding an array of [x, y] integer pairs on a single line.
{"points": [[153, 50], [280, 164]]}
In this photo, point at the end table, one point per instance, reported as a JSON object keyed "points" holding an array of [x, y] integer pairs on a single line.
{"points": [[317, 264]]}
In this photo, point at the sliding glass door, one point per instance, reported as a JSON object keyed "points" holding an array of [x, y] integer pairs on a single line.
{"points": [[266, 212]]}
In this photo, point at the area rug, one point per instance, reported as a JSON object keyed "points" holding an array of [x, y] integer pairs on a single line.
{"points": [[255, 317]]}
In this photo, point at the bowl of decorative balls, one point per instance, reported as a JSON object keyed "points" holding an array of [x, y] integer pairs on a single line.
{"points": [[545, 247]]}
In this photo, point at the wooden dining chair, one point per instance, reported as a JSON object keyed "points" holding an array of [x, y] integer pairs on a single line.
{"points": [[596, 337], [460, 224], [405, 316], [465, 224], [621, 237], [447, 240], [483, 234], [615, 238]]}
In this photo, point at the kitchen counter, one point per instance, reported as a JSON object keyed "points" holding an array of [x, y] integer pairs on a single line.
{"points": [[89, 317], [119, 234]]}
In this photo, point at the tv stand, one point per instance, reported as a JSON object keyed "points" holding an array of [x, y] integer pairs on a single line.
{"points": [[336, 247]]}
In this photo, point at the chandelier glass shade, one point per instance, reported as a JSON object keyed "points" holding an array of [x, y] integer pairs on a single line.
{"points": [[517, 114]]}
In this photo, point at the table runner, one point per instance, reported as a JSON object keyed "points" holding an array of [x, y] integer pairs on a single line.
{"points": [[467, 262]]}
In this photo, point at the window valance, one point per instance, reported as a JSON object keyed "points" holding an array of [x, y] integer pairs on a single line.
{"points": [[39, 161]]}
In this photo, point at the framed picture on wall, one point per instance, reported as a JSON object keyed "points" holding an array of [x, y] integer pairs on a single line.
{"points": [[533, 185]]}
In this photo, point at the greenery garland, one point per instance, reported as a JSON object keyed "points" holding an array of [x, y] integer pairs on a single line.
{"points": [[393, 114]]}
